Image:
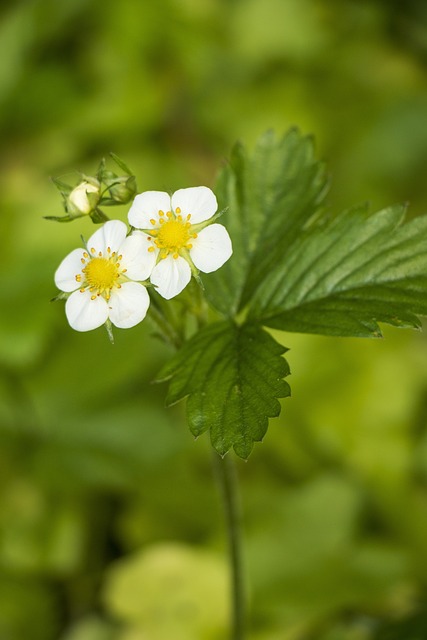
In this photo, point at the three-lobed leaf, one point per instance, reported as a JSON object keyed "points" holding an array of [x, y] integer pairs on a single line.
{"points": [[232, 376]]}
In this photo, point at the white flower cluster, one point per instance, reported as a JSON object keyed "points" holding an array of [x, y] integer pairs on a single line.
{"points": [[173, 237]]}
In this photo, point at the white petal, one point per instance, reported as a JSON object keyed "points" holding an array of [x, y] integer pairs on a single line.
{"points": [[128, 305], [211, 248], [70, 267], [200, 202], [146, 207], [111, 234], [85, 314], [171, 276], [137, 260]]}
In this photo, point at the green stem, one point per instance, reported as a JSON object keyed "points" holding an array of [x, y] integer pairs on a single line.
{"points": [[228, 482]]}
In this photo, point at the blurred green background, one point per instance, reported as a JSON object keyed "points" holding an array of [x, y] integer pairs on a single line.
{"points": [[110, 521]]}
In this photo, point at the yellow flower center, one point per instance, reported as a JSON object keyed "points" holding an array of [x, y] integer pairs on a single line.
{"points": [[101, 274], [173, 235]]}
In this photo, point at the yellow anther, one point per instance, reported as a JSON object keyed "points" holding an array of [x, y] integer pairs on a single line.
{"points": [[85, 254], [120, 257], [169, 214], [194, 235], [150, 249], [178, 210], [153, 222], [92, 250], [175, 255], [78, 277], [123, 271], [162, 220], [82, 290], [179, 218], [100, 254], [161, 213], [109, 249], [189, 246], [82, 260], [189, 216], [93, 297]]}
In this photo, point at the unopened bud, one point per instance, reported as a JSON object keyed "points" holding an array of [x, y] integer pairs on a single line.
{"points": [[122, 189], [84, 198]]}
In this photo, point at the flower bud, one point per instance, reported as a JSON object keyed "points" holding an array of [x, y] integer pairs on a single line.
{"points": [[122, 189], [84, 198]]}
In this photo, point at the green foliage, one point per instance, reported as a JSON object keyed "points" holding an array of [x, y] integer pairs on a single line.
{"points": [[297, 270], [342, 278], [233, 376], [171, 96], [269, 197]]}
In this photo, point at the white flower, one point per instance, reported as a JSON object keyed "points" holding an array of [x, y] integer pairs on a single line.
{"points": [[179, 237], [79, 199], [102, 277]]}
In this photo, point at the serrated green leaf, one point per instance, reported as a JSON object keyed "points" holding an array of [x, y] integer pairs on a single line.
{"points": [[270, 197], [232, 376], [343, 277]]}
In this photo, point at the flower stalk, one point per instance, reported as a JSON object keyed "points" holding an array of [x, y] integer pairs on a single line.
{"points": [[228, 483]]}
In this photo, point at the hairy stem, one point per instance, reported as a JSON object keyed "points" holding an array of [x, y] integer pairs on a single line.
{"points": [[228, 482]]}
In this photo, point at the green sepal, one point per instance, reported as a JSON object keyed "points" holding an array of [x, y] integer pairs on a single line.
{"points": [[62, 295], [64, 188], [67, 218], [119, 162], [98, 217], [109, 328]]}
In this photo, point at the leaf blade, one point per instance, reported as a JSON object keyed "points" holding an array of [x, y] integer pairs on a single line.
{"points": [[270, 196], [233, 376], [344, 277]]}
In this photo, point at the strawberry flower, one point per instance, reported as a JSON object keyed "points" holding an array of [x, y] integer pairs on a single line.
{"points": [[102, 279], [180, 235]]}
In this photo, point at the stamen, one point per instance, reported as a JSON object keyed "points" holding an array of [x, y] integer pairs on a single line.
{"points": [[92, 250], [82, 290], [189, 246], [78, 277], [109, 249], [178, 210], [161, 213], [169, 214], [82, 260], [150, 249], [175, 255], [93, 297], [100, 254], [161, 220], [85, 254], [189, 216], [153, 222], [194, 235]]}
